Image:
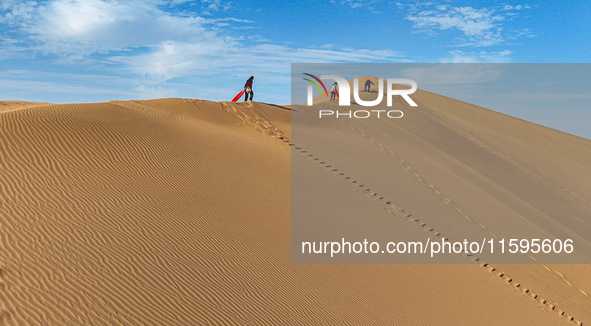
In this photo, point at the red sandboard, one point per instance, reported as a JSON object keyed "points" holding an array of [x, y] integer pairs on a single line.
{"points": [[239, 95]]}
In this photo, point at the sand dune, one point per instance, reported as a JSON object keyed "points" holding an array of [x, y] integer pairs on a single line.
{"points": [[456, 170], [177, 212], [16, 105]]}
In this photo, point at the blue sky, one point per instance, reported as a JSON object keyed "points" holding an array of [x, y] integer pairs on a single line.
{"points": [[63, 51]]}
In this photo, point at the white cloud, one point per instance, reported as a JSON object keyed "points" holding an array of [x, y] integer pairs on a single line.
{"points": [[153, 41], [480, 26], [517, 7], [367, 4], [353, 4], [477, 27], [216, 5], [179, 59], [83, 27], [14, 11], [159, 45], [479, 57], [76, 29]]}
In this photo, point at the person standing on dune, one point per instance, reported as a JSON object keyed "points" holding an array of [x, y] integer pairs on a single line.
{"points": [[368, 84], [333, 91], [248, 88]]}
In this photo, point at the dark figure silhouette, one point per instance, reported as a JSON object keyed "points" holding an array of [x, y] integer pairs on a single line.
{"points": [[248, 88], [368, 84]]}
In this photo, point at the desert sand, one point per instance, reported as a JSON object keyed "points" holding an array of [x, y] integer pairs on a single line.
{"points": [[177, 212]]}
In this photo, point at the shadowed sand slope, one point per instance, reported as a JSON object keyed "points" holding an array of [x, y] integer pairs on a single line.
{"points": [[177, 212], [459, 170]]}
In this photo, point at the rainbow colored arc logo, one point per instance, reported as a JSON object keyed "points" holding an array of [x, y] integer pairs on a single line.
{"points": [[318, 80]]}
